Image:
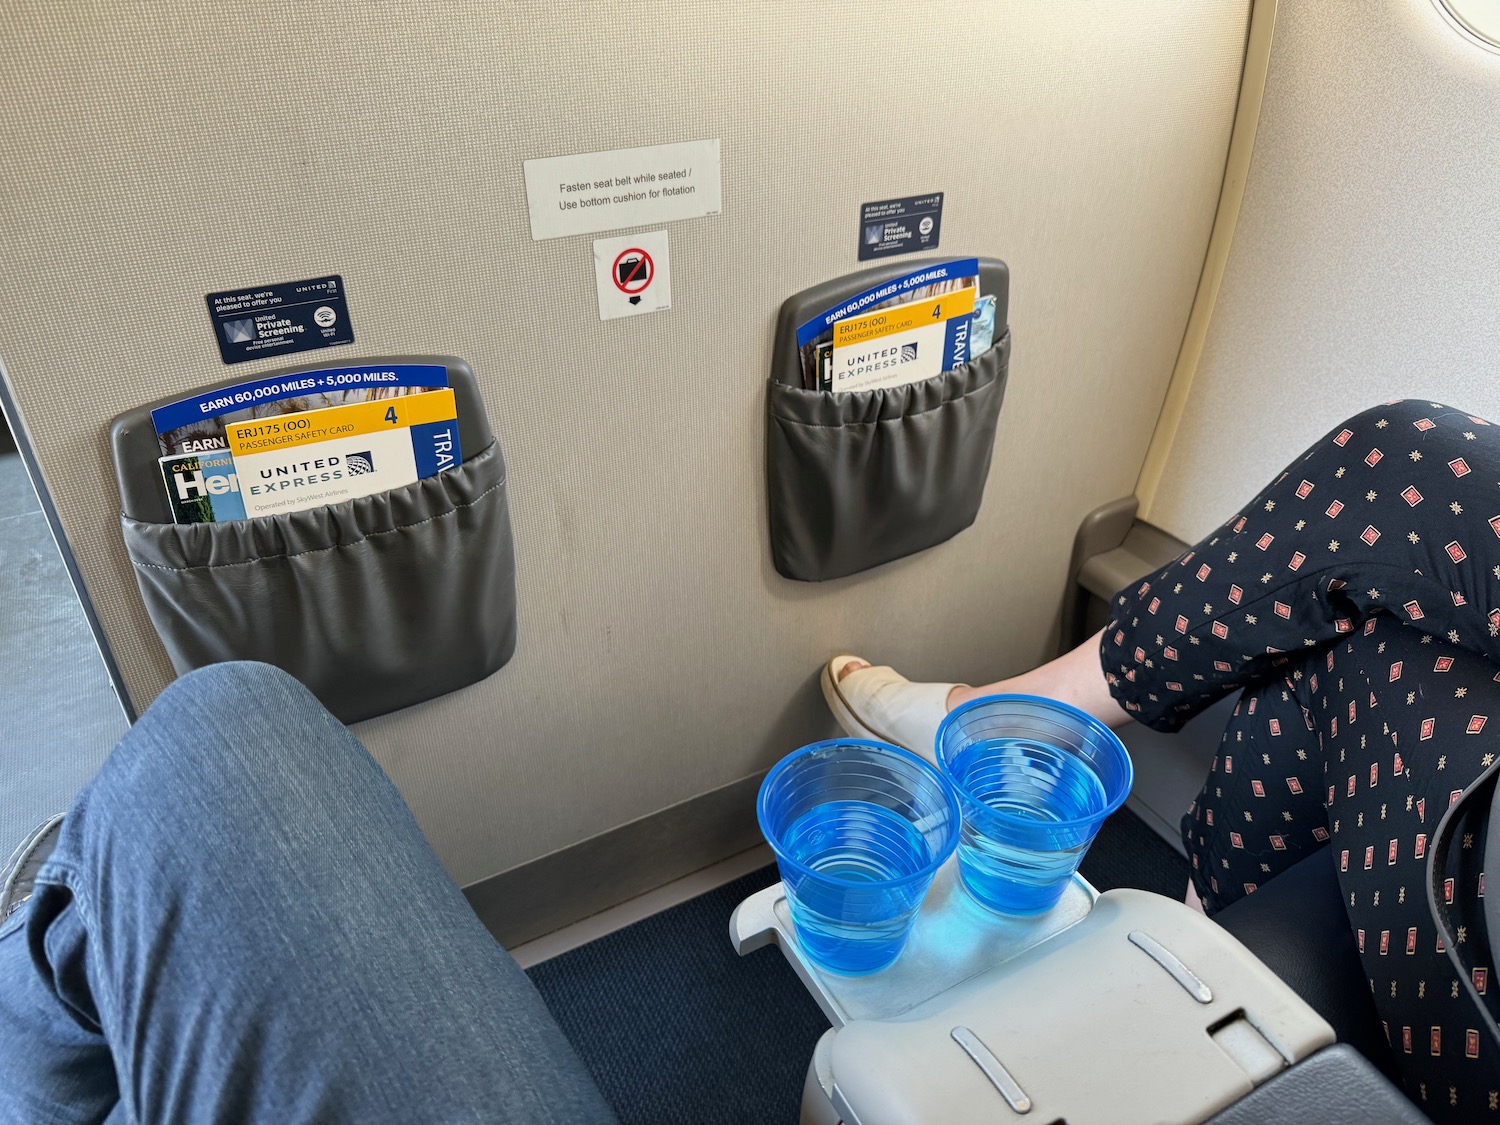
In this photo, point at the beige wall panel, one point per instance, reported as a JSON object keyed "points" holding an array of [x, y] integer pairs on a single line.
{"points": [[154, 153], [1367, 258]]}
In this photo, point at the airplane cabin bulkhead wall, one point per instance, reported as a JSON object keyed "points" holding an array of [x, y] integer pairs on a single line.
{"points": [[1363, 267], [162, 152]]}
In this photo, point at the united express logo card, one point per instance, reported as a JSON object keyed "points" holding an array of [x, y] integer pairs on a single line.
{"points": [[290, 462], [924, 284], [298, 461], [904, 344]]}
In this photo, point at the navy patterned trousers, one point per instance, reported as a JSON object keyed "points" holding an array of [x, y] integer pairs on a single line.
{"points": [[1353, 604]]}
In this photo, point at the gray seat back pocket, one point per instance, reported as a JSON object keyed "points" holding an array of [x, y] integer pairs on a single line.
{"points": [[374, 604], [861, 478]]}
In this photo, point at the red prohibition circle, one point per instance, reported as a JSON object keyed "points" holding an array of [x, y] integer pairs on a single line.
{"points": [[645, 270]]}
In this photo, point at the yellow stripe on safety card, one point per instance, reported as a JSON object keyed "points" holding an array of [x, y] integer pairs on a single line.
{"points": [[903, 318], [287, 431]]}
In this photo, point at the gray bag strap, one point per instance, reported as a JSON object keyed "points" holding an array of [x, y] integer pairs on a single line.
{"points": [[1481, 792]]}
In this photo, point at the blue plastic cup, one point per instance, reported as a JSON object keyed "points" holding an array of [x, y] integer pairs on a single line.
{"points": [[858, 828], [1036, 778]]}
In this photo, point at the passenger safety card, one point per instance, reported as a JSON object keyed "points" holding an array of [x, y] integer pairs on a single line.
{"points": [[900, 331], [285, 443]]}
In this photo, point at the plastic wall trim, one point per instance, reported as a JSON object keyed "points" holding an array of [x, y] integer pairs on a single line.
{"points": [[1231, 195], [580, 880], [27, 450]]}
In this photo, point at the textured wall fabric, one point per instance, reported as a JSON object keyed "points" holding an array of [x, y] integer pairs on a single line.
{"points": [[158, 152], [1364, 266]]}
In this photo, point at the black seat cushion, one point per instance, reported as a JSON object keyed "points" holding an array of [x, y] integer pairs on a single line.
{"points": [[1297, 925], [1333, 1087]]}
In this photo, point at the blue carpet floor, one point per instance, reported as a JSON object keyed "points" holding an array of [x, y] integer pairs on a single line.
{"points": [[675, 1028]]}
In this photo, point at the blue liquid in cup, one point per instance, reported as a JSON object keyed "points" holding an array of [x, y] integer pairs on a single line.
{"points": [[1038, 783], [1036, 779], [858, 828], [855, 842]]}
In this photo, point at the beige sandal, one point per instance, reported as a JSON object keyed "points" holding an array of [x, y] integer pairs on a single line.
{"points": [[882, 704]]}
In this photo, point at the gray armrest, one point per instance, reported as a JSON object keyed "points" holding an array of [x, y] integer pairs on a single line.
{"points": [[1337, 1086]]}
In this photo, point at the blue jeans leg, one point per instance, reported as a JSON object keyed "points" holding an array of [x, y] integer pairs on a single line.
{"points": [[243, 922]]}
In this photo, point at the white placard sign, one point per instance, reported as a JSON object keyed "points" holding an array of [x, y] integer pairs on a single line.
{"points": [[633, 274], [628, 187]]}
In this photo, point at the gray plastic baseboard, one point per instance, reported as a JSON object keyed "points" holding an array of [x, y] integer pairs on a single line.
{"points": [[578, 881]]}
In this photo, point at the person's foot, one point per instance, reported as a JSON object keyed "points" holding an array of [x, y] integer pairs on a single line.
{"points": [[879, 703]]}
